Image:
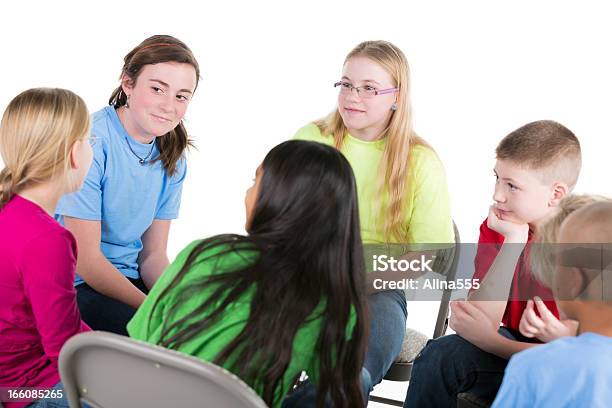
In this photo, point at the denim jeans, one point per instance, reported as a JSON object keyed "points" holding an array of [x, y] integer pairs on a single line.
{"points": [[52, 403], [103, 313], [451, 365], [387, 329]]}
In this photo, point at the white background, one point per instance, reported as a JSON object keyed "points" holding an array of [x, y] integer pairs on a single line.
{"points": [[480, 69]]}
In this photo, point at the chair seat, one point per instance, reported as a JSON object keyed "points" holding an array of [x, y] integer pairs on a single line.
{"points": [[401, 369], [414, 342]]}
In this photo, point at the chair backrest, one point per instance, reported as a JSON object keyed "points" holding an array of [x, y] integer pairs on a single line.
{"points": [[106, 370], [451, 272]]}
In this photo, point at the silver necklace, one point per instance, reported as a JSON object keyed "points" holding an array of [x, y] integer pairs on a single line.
{"points": [[141, 160]]}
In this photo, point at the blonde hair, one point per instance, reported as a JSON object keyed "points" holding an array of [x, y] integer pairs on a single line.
{"points": [[38, 129], [394, 166], [547, 146], [542, 253]]}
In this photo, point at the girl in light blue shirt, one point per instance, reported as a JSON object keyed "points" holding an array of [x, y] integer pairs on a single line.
{"points": [[121, 217]]}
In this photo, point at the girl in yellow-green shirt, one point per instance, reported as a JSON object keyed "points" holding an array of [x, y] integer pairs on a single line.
{"points": [[401, 184]]}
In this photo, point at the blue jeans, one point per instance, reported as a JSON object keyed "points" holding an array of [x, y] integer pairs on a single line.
{"points": [[52, 403], [451, 365], [103, 313], [387, 329]]}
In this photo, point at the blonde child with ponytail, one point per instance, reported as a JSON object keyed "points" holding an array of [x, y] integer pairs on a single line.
{"points": [[44, 143]]}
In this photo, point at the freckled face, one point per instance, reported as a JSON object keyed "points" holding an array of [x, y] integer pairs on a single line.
{"points": [[159, 98]]}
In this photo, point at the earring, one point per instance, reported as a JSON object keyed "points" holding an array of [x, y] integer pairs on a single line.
{"points": [[127, 102], [394, 106]]}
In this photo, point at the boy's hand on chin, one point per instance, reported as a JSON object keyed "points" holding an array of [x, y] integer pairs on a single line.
{"points": [[512, 231]]}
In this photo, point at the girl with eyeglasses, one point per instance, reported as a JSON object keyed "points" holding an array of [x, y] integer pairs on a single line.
{"points": [[44, 143], [121, 217], [401, 184]]}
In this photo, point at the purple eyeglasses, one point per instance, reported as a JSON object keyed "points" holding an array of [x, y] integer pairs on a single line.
{"points": [[366, 91]]}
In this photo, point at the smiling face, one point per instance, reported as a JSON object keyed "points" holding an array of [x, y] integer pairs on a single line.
{"points": [[158, 99], [364, 117], [520, 195]]}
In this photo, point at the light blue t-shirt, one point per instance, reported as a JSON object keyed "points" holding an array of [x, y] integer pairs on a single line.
{"points": [[569, 372], [123, 194]]}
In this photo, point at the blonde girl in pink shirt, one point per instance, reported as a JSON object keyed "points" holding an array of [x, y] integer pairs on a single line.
{"points": [[45, 147]]}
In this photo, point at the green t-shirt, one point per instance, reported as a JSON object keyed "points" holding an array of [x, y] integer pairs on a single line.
{"points": [[427, 215], [146, 325]]}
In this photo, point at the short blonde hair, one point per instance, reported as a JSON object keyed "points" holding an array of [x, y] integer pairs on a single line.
{"points": [[38, 129], [542, 251], [547, 146]]}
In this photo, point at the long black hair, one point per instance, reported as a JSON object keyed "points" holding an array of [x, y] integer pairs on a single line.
{"points": [[305, 232]]}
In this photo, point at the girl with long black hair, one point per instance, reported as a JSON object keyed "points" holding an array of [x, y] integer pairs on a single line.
{"points": [[287, 297]]}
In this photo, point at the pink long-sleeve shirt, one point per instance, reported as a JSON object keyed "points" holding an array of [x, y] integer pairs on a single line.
{"points": [[38, 309]]}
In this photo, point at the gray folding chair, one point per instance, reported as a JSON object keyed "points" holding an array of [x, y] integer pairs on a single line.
{"points": [[401, 369], [105, 370]]}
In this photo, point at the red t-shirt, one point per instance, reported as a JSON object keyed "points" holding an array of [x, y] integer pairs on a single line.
{"points": [[524, 285]]}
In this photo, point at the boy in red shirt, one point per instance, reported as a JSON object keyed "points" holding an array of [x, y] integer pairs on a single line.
{"points": [[537, 165]]}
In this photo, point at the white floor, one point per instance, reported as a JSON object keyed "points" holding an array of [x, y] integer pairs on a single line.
{"points": [[389, 389]]}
